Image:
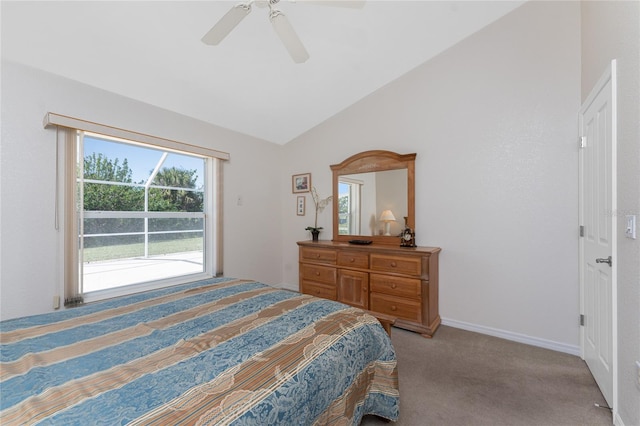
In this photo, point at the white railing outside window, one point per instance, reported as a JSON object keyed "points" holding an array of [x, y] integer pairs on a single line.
{"points": [[125, 247]]}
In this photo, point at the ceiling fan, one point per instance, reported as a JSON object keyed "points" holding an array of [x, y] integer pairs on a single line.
{"points": [[280, 23]]}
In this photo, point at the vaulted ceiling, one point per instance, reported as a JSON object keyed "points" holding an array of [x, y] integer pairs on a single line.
{"points": [[151, 51]]}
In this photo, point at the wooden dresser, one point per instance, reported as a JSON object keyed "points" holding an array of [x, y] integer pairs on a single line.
{"points": [[397, 281]]}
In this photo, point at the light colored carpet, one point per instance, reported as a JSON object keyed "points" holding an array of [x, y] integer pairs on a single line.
{"points": [[464, 378]]}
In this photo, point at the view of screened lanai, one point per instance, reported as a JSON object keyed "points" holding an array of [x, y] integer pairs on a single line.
{"points": [[141, 212]]}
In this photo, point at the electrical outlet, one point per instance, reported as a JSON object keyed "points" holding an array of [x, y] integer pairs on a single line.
{"points": [[630, 228], [56, 302], [638, 373]]}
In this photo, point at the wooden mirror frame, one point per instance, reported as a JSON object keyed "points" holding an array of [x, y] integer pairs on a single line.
{"points": [[375, 161]]}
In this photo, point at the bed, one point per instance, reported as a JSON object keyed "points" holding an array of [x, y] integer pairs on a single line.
{"points": [[219, 351]]}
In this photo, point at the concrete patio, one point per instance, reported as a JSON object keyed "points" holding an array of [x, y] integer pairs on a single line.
{"points": [[120, 272]]}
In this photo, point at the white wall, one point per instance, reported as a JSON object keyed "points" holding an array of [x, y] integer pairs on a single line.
{"points": [[611, 30], [28, 247], [493, 121], [392, 195]]}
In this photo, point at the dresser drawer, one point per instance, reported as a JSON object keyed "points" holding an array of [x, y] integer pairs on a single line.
{"points": [[408, 309], [319, 290], [399, 264], [396, 286], [353, 259], [321, 274], [318, 255]]}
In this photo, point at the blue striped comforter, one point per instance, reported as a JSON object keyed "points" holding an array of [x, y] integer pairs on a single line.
{"points": [[220, 351]]}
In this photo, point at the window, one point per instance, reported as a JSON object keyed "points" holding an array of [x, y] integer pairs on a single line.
{"points": [[142, 213], [349, 206], [139, 212]]}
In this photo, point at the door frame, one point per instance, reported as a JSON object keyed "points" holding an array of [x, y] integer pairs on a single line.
{"points": [[610, 75]]}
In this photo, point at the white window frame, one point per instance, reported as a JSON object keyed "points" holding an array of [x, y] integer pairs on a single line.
{"points": [[355, 210], [66, 201]]}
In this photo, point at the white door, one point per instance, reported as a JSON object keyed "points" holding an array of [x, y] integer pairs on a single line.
{"points": [[597, 214]]}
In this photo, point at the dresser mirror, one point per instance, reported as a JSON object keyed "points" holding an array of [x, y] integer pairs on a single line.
{"points": [[373, 193]]}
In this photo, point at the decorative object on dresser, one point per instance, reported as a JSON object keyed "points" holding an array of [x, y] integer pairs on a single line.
{"points": [[407, 236], [389, 280], [387, 217], [319, 204]]}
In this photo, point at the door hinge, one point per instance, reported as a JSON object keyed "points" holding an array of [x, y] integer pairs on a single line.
{"points": [[582, 319], [582, 230], [582, 141]]}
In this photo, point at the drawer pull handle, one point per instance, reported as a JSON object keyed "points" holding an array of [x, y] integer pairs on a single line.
{"points": [[393, 285], [317, 273], [352, 260], [394, 308], [394, 264], [318, 256]]}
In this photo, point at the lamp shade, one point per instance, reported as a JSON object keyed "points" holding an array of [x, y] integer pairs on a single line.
{"points": [[387, 216]]}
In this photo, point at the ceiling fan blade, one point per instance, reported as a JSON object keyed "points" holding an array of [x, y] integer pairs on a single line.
{"points": [[227, 23], [288, 36], [356, 4]]}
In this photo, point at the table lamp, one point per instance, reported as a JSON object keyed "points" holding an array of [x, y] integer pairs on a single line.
{"points": [[387, 217]]}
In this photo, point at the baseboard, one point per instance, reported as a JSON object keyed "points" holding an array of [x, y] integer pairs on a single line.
{"points": [[508, 335], [617, 421], [516, 337], [288, 286]]}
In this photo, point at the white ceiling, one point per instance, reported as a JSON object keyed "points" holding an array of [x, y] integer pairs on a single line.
{"points": [[151, 51]]}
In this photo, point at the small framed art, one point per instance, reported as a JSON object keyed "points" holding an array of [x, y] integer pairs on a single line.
{"points": [[300, 205], [301, 183]]}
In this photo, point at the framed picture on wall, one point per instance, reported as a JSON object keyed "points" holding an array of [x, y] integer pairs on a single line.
{"points": [[301, 183], [300, 205]]}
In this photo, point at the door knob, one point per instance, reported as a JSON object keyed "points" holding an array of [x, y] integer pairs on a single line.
{"points": [[607, 260]]}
